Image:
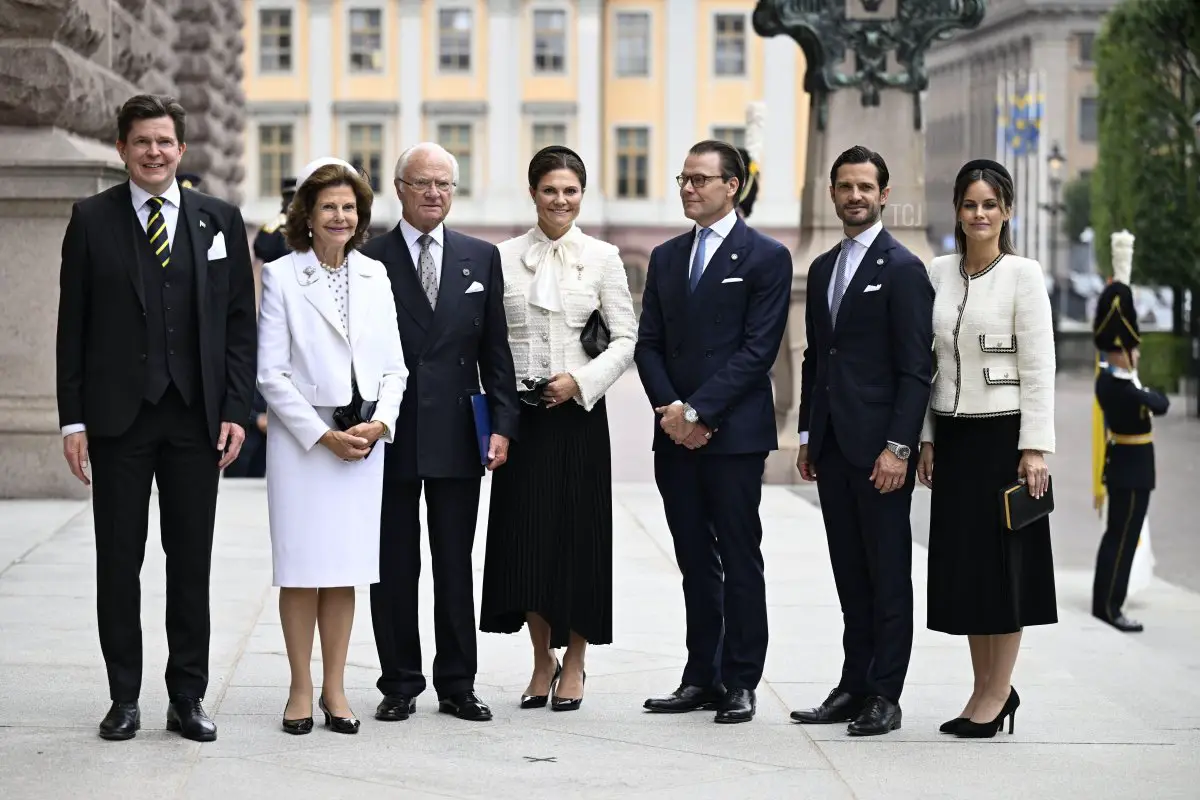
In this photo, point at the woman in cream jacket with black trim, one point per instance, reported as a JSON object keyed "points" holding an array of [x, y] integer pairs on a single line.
{"points": [[549, 545], [990, 421]]}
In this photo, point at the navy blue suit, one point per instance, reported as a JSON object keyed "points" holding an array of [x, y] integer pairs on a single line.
{"points": [[714, 348], [866, 382]]}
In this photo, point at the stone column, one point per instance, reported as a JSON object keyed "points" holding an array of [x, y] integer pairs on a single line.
{"points": [[590, 63], [65, 69], [681, 96], [320, 81], [409, 45], [504, 167]]}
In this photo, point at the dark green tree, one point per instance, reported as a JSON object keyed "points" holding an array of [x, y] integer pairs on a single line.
{"points": [[1148, 75], [1077, 199]]}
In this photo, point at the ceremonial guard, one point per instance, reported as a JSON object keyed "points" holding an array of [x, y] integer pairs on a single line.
{"points": [[1124, 408], [189, 180], [271, 242]]}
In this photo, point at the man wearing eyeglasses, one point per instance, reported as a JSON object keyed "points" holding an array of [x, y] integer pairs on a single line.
{"points": [[713, 314], [449, 291]]}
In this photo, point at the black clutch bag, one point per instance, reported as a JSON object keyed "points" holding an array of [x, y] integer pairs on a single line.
{"points": [[356, 412], [1020, 508], [594, 336]]}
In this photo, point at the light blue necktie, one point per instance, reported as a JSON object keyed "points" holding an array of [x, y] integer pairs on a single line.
{"points": [[840, 279], [698, 259]]}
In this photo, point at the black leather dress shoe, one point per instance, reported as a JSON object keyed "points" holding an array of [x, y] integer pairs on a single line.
{"points": [[686, 698], [121, 722], [840, 706], [1122, 623], [879, 716], [738, 706], [465, 705], [395, 708], [186, 716]]}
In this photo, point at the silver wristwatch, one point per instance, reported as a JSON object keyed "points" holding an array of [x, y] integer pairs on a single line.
{"points": [[690, 415], [900, 451]]}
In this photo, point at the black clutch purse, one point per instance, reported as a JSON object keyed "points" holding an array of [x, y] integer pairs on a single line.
{"points": [[356, 412], [594, 336], [1020, 508], [531, 395]]}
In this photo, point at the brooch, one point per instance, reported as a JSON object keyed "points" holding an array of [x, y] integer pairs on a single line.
{"points": [[309, 272], [466, 272], [579, 272]]}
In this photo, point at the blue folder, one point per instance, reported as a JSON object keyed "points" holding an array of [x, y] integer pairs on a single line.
{"points": [[483, 425]]}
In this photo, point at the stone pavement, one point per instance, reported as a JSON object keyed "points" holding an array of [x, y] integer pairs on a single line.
{"points": [[1104, 715]]}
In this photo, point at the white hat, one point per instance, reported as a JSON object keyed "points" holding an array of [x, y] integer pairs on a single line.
{"points": [[313, 166]]}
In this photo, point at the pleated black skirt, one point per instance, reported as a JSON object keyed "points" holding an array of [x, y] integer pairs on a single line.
{"points": [[983, 578], [549, 537]]}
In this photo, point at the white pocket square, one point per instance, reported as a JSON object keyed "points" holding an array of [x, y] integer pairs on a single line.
{"points": [[217, 248], [474, 287], [874, 287], [732, 280]]}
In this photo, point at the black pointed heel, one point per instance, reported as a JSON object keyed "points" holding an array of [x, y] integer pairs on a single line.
{"points": [[987, 730], [337, 724], [568, 703], [540, 700], [952, 726], [297, 727]]}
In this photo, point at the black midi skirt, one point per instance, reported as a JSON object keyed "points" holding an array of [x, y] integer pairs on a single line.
{"points": [[549, 537], [983, 578]]}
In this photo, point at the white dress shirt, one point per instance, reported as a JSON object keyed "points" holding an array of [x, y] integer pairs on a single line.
{"points": [[412, 238], [140, 199], [718, 232]]}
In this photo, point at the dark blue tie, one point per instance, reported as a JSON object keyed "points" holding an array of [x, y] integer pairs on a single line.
{"points": [[698, 259]]}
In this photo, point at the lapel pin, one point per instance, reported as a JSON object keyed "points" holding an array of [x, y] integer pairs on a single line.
{"points": [[309, 272], [202, 225], [733, 257], [879, 262], [466, 272]]}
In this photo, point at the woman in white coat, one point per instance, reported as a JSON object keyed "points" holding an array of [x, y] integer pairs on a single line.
{"points": [[326, 333]]}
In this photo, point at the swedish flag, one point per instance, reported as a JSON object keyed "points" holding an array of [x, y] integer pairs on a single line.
{"points": [[1021, 120]]}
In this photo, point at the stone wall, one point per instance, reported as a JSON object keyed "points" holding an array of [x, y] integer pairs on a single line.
{"points": [[66, 66]]}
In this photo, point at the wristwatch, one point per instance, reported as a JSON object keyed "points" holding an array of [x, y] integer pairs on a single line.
{"points": [[900, 451], [690, 415]]}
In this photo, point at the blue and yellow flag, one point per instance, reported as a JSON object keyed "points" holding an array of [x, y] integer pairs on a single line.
{"points": [[1020, 117]]}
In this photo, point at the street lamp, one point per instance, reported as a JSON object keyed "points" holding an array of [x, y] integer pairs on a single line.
{"points": [[1194, 311], [1056, 161]]}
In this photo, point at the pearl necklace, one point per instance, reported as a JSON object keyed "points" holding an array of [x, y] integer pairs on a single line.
{"points": [[332, 270]]}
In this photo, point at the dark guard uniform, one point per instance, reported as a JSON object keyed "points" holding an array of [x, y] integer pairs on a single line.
{"points": [[1128, 467], [270, 243]]}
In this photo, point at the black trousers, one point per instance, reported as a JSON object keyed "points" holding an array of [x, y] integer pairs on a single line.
{"points": [[870, 548], [711, 504], [168, 443], [1126, 513], [453, 505]]}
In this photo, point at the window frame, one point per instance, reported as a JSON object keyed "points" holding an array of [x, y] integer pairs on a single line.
{"points": [[648, 16], [260, 33], [564, 69], [618, 154], [717, 16], [467, 187], [381, 32], [259, 151], [439, 66]]}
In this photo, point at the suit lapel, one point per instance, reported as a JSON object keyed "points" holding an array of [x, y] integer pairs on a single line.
{"points": [[821, 283], [872, 264], [457, 274], [312, 278], [408, 285], [363, 284], [127, 227], [731, 252], [193, 216]]}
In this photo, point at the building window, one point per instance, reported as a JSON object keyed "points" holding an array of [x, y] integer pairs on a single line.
{"points": [[366, 40], [454, 39], [549, 41], [366, 151], [275, 40], [456, 138], [1087, 41], [633, 45], [633, 162], [730, 52], [733, 134], [1088, 129], [275, 151], [548, 133]]}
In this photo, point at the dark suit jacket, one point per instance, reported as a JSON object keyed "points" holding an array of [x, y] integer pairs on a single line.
{"points": [[449, 353], [714, 348], [102, 313], [872, 374]]}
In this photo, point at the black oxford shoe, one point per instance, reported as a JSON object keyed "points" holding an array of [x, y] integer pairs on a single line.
{"points": [[465, 705], [1123, 623], [840, 706], [121, 722], [878, 717], [186, 717], [395, 708], [686, 698], [739, 706]]}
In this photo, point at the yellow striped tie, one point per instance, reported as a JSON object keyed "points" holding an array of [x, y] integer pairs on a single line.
{"points": [[156, 229]]}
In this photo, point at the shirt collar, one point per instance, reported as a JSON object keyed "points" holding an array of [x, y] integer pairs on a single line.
{"points": [[411, 234], [867, 237], [140, 196], [724, 225]]}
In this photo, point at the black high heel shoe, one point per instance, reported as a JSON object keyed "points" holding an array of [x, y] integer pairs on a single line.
{"points": [[953, 725], [568, 703], [297, 727], [986, 730], [337, 724], [539, 700]]}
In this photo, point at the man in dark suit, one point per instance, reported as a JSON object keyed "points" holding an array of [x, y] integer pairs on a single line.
{"points": [[449, 291], [156, 356], [865, 384], [713, 313]]}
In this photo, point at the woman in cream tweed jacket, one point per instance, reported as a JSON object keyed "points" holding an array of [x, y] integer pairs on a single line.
{"points": [[549, 544], [990, 422]]}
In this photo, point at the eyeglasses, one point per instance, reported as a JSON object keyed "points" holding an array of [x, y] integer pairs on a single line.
{"points": [[422, 186], [698, 181]]}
